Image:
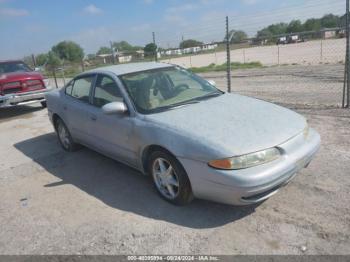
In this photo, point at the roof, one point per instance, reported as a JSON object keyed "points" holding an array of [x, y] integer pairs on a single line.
{"points": [[130, 68]]}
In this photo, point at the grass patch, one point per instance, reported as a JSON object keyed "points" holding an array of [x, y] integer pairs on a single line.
{"points": [[218, 68]]}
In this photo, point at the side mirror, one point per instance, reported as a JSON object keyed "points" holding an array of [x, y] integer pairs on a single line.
{"points": [[115, 108], [212, 82]]}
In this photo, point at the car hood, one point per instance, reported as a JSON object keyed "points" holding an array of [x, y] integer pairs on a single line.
{"points": [[232, 124], [17, 76]]}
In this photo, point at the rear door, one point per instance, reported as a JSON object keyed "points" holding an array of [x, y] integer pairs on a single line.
{"points": [[76, 106], [110, 134]]}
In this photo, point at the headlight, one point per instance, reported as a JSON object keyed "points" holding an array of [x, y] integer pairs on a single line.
{"points": [[245, 161], [47, 82]]}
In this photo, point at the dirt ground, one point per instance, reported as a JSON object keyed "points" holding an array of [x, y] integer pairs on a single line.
{"points": [[54, 202], [298, 86], [328, 51]]}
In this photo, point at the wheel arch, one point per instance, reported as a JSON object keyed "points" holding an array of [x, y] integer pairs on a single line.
{"points": [[148, 150], [55, 117]]}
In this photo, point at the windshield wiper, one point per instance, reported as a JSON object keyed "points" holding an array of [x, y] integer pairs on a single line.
{"points": [[182, 104], [176, 105]]}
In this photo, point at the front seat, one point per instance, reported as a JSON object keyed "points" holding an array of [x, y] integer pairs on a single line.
{"points": [[142, 94]]}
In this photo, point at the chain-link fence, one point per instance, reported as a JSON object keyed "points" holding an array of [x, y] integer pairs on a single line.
{"points": [[288, 63], [301, 68]]}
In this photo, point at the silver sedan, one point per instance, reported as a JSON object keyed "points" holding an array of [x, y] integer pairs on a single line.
{"points": [[191, 138]]}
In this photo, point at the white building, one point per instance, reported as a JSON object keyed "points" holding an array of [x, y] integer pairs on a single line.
{"points": [[189, 50]]}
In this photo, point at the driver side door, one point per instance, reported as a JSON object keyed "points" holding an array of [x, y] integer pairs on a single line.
{"points": [[110, 134]]}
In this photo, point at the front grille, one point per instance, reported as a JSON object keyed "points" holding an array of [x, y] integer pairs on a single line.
{"points": [[11, 90], [34, 82]]}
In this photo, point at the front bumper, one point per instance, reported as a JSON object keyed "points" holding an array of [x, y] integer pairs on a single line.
{"points": [[255, 184], [23, 98]]}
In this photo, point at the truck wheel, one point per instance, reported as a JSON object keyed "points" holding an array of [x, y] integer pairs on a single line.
{"points": [[65, 137], [170, 178]]}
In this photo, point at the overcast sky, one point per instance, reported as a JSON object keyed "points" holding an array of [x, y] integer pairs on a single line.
{"points": [[33, 26]]}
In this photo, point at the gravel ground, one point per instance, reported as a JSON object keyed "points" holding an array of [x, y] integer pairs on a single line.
{"points": [[53, 202], [307, 53], [318, 86]]}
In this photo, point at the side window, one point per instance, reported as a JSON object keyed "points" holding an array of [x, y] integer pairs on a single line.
{"points": [[81, 88], [69, 88], [106, 91]]}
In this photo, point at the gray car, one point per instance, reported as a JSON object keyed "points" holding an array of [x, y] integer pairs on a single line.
{"points": [[191, 138]]}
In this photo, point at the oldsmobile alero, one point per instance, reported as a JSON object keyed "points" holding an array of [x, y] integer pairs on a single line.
{"points": [[191, 138]]}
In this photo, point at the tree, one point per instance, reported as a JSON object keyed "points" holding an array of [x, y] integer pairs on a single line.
{"points": [[238, 36], [150, 49], [104, 50], [91, 56], [272, 30], [295, 26], [330, 21], [190, 43], [28, 60], [312, 24], [264, 33], [41, 59], [68, 50], [342, 21], [124, 46], [53, 62]]}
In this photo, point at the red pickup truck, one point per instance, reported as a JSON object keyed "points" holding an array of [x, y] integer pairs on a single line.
{"points": [[20, 85]]}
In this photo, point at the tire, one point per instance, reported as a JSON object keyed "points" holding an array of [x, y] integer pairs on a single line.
{"points": [[64, 137], [43, 104], [164, 178]]}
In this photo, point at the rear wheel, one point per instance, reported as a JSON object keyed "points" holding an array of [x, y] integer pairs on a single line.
{"points": [[64, 137], [170, 178]]}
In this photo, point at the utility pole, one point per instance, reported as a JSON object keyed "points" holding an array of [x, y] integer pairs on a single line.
{"points": [[228, 54], [155, 51], [113, 53], [34, 60]]}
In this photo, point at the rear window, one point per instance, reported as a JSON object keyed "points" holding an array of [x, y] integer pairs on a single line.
{"points": [[80, 88]]}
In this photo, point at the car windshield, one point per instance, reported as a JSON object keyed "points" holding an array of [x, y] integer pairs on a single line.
{"points": [[11, 67], [162, 89]]}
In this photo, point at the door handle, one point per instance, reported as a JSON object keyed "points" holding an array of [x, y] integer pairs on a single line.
{"points": [[64, 107]]}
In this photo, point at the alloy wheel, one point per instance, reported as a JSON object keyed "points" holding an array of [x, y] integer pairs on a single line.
{"points": [[165, 178], [63, 135]]}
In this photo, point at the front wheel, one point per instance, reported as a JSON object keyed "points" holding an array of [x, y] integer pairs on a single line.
{"points": [[64, 137], [43, 104], [170, 178]]}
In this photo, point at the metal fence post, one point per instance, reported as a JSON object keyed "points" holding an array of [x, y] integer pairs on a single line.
{"points": [[82, 65], [154, 42], [228, 60], [348, 53], [346, 86]]}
